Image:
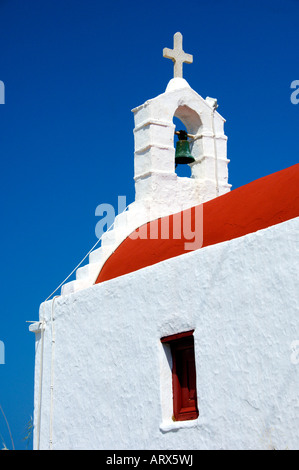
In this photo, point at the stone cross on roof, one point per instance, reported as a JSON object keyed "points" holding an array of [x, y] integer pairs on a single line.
{"points": [[177, 55]]}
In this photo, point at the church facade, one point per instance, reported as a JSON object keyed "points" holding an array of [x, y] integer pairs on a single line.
{"points": [[177, 334]]}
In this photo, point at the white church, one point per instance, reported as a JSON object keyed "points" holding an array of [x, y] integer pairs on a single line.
{"points": [[178, 332]]}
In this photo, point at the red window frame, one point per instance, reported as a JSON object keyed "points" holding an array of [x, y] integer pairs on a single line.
{"points": [[183, 375]]}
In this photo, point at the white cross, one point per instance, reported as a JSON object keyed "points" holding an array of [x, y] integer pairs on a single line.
{"points": [[177, 55]]}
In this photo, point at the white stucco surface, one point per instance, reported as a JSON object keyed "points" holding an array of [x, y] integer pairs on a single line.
{"points": [[105, 380]]}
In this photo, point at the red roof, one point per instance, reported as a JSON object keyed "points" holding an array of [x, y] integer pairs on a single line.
{"points": [[267, 201]]}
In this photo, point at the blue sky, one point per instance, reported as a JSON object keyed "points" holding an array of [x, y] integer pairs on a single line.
{"points": [[73, 70]]}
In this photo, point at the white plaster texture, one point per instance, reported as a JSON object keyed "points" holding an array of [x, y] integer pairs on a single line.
{"points": [[106, 383]]}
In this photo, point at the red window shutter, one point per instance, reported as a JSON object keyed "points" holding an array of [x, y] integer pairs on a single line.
{"points": [[183, 376]]}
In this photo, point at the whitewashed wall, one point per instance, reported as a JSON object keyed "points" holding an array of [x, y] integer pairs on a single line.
{"points": [[107, 367]]}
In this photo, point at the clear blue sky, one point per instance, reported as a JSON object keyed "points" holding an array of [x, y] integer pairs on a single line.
{"points": [[73, 70]]}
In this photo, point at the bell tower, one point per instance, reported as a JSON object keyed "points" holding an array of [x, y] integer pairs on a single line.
{"points": [[159, 191], [154, 157]]}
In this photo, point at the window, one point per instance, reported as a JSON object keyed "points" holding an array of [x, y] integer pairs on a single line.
{"points": [[183, 375]]}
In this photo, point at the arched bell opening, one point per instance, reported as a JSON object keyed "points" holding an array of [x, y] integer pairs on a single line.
{"points": [[187, 124]]}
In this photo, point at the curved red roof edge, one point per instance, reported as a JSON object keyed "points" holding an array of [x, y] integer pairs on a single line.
{"points": [[260, 204]]}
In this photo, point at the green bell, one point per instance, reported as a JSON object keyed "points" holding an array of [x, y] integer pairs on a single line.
{"points": [[182, 151]]}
